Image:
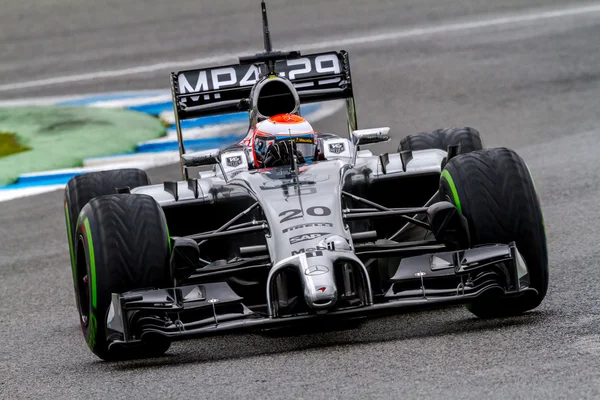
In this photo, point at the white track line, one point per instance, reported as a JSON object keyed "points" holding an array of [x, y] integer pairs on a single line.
{"points": [[53, 100], [11, 194], [531, 16], [132, 102]]}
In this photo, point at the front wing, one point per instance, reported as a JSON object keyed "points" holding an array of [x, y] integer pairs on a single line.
{"points": [[214, 308]]}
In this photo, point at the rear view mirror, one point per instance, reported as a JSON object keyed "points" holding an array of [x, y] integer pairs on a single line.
{"points": [[370, 136], [200, 158]]}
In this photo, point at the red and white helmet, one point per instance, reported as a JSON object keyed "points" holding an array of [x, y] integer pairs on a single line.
{"points": [[283, 127]]}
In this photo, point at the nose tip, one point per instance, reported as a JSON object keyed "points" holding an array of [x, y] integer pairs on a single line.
{"points": [[320, 290], [325, 296]]}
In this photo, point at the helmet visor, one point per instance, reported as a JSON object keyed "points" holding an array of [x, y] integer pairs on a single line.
{"points": [[305, 144]]}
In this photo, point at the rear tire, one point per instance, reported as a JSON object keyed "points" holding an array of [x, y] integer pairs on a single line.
{"points": [[495, 192], [468, 138], [122, 244], [83, 188]]}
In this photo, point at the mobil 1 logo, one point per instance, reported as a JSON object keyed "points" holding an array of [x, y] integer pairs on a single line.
{"points": [[310, 251]]}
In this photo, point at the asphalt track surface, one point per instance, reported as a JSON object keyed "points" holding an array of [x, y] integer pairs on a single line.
{"points": [[532, 85]]}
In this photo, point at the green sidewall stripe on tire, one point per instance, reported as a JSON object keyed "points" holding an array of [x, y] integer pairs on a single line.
{"points": [[71, 251], [88, 234], [168, 238], [446, 175], [536, 193]]}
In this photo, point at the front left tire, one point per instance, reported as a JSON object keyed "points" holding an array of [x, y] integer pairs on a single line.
{"points": [[122, 244]]}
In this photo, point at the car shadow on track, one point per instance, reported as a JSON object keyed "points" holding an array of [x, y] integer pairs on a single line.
{"points": [[387, 329]]}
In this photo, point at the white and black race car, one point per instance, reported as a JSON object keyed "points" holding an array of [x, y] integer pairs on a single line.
{"points": [[340, 235]]}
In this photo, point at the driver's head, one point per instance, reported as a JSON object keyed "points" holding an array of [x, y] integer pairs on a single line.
{"points": [[283, 127]]}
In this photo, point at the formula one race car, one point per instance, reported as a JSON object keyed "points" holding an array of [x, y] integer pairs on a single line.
{"points": [[292, 227]]}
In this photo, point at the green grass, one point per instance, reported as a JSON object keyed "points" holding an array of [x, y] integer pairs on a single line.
{"points": [[55, 137], [10, 144]]}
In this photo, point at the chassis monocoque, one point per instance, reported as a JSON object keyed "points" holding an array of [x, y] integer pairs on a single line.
{"points": [[442, 221]]}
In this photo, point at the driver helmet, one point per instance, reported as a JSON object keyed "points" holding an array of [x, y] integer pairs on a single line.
{"points": [[283, 127]]}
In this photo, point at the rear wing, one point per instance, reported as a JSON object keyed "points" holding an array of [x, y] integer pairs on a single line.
{"points": [[316, 77], [228, 89]]}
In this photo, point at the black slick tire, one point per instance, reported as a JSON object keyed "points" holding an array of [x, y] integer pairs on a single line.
{"points": [[468, 138], [494, 190], [122, 244], [83, 188]]}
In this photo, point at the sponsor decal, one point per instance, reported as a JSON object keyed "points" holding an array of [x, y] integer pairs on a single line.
{"points": [[232, 76], [306, 236], [316, 270], [337, 148], [314, 224], [304, 140], [317, 211], [310, 251], [233, 161]]}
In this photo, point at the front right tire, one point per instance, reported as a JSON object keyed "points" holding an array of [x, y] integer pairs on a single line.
{"points": [[494, 190]]}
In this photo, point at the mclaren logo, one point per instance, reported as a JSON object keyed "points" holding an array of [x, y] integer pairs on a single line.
{"points": [[316, 270], [305, 237], [336, 148], [234, 161]]}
